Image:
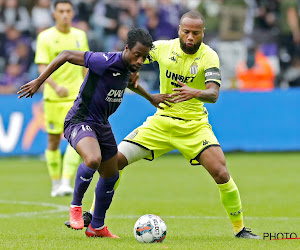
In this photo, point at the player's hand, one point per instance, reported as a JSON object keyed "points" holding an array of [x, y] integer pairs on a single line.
{"points": [[61, 91], [184, 93], [29, 89], [133, 79], [156, 99]]}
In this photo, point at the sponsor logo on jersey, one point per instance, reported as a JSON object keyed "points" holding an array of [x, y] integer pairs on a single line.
{"points": [[174, 77], [115, 95]]}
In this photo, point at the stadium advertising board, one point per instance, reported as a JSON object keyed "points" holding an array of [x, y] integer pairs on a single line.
{"points": [[248, 121]]}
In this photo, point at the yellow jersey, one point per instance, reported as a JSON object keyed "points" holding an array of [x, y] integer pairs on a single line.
{"points": [[193, 70], [49, 44]]}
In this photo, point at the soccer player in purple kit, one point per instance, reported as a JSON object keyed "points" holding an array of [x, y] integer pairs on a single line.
{"points": [[86, 125]]}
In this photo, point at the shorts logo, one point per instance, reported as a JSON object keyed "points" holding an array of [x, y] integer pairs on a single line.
{"points": [[74, 133], [205, 142], [51, 125], [132, 134]]}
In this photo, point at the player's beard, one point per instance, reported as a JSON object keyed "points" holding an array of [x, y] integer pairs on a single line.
{"points": [[189, 50]]}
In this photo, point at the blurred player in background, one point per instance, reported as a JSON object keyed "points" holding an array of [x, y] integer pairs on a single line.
{"points": [[189, 72], [60, 92], [86, 125]]}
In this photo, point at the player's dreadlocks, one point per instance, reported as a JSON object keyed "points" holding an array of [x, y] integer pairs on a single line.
{"points": [[139, 35]]}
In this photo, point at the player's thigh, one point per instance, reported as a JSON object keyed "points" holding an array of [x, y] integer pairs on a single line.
{"points": [[214, 162], [193, 138], [88, 149], [55, 113], [153, 135]]}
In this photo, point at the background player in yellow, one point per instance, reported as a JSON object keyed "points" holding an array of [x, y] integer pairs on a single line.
{"points": [[60, 92], [189, 73]]}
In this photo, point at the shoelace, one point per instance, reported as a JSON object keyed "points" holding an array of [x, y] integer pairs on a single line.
{"points": [[248, 230]]}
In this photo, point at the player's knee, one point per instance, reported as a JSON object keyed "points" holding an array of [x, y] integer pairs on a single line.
{"points": [[222, 175], [93, 161]]}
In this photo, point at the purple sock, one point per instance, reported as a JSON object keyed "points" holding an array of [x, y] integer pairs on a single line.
{"points": [[104, 194], [83, 179]]}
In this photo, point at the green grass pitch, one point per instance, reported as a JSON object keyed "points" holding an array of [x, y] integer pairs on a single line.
{"points": [[185, 196]]}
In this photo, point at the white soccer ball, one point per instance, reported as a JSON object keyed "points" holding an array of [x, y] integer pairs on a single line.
{"points": [[150, 228]]}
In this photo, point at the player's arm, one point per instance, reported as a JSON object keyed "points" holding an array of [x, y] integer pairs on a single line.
{"points": [[61, 91], [154, 99], [71, 56], [210, 94]]}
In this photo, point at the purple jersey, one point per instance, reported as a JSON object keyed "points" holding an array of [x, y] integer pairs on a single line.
{"points": [[102, 91]]}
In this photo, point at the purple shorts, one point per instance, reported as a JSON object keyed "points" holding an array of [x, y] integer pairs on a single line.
{"points": [[102, 133]]}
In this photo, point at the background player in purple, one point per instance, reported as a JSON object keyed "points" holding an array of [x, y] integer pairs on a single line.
{"points": [[86, 125]]}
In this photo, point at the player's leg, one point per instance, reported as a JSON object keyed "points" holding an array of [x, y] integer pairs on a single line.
{"points": [[71, 160], [89, 150], [104, 193], [146, 142], [53, 161], [197, 142], [213, 160], [128, 153]]}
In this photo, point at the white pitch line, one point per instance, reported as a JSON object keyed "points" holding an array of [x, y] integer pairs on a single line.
{"points": [[62, 208], [58, 209]]}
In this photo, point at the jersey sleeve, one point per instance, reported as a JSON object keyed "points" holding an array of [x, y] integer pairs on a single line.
{"points": [[212, 68], [42, 51], [97, 62]]}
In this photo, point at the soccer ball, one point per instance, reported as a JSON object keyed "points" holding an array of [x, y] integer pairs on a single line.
{"points": [[150, 228]]}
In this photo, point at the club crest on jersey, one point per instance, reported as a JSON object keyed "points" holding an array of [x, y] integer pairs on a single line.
{"points": [[194, 69]]}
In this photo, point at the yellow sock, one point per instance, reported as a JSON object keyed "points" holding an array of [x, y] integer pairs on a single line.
{"points": [[115, 187], [71, 162], [53, 159], [238, 226], [231, 200]]}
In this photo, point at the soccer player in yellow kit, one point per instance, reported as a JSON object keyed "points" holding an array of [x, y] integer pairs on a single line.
{"points": [[189, 72], [60, 92]]}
